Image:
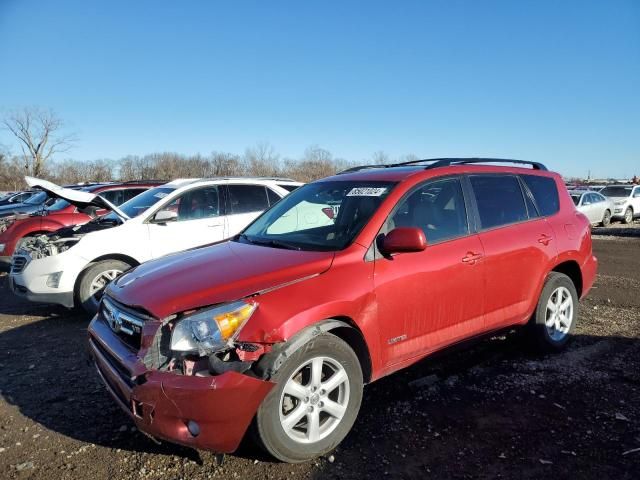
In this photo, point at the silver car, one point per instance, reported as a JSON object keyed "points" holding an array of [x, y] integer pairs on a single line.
{"points": [[596, 207]]}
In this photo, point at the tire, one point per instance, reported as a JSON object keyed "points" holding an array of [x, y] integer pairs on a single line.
{"points": [[628, 215], [606, 219], [97, 273], [548, 332], [294, 445]]}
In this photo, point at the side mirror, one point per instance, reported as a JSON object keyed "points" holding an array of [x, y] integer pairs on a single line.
{"points": [[165, 216], [404, 240]]}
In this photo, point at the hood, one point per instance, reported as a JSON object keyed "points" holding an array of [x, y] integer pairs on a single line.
{"points": [[215, 274], [79, 198]]}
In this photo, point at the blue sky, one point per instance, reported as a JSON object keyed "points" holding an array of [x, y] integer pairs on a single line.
{"points": [[557, 82]]}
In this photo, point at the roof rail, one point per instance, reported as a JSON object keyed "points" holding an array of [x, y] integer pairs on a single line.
{"points": [[446, 162]]}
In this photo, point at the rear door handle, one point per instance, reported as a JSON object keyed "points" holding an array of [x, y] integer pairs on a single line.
{"points": [[471, 258], [545, 239]]}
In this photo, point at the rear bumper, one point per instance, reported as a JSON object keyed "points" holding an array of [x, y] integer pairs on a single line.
{"points": [[59, 298], [162, 403], [589, 271]]}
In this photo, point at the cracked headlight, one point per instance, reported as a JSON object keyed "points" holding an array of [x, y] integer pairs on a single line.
{"points": [[211, 329]]}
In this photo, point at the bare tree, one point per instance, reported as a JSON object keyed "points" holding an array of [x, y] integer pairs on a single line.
{"points": [[38, 132]]}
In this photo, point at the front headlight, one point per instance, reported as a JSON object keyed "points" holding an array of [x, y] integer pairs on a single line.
{"points": [[620, 202], [212, 329]]}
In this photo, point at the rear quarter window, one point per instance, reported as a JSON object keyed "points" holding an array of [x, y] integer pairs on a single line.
{"points": [[545, 193]]}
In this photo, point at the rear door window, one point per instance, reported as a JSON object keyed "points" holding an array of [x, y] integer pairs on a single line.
{"points": [[247, 198], [129, 193], [500, 200], [545, 193], [114, 196]]}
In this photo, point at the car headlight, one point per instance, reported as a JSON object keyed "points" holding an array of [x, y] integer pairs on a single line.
{"points": [[620, 202], [211, 329]]}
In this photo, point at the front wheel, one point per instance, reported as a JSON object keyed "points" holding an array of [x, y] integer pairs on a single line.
{"points": [[628, 215], [606, 219], [94, 280], [556, 313], [315, 402]]}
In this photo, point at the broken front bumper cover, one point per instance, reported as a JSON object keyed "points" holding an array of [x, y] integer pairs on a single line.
{"points": [[163, 404]]}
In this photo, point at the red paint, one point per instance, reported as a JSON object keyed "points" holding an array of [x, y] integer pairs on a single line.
{"points": [[404, 240], [406, 305]]}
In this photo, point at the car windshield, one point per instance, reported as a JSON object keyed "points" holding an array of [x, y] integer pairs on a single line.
{"points": [[140, 203], [576, 199], [322, 216], [616, 191], [37, 199]]}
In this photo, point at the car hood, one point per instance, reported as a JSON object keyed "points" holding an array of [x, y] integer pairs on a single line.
{"points": [[79, 198], [214, 274]]}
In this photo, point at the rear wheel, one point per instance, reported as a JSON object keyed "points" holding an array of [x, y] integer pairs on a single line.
{"points": [[556, 313], [315, 402], [606, 219], [628, 215], [94, 280]]}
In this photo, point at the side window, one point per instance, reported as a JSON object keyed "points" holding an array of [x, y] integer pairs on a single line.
{"points": [[636, 194], [545, 193], [196, 204], [500, 200], [289, 187], [273, 197], [129, 193], [247, 198], [114, 196], [437, 208], [594, 198]]}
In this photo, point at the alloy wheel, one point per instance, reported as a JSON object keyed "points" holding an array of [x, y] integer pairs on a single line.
{"points": [[314, 400], [559, 314]]}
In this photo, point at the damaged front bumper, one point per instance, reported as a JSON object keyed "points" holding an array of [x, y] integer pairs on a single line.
{"points": [[207, 412]]}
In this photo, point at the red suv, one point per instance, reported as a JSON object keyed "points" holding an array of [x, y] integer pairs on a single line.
{"points": [[60, 213], [278, 329]]}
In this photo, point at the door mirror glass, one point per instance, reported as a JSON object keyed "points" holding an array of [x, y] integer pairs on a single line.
{"points": [[165, 216], [404, 240]]}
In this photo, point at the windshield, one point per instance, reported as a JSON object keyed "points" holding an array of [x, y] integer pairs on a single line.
{"points": [[616, 191], [140, 203], [318, 216], [576, 199], [37, 199]]}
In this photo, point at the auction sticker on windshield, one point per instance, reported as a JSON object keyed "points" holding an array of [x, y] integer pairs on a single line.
{"points": [[367, 192]]}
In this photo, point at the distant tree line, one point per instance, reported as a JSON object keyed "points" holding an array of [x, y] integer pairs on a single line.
{"points": [[261, 160]]}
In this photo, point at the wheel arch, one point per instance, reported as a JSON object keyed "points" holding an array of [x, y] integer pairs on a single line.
{"points": [[571, 269], [342, 327], [110, 256]]}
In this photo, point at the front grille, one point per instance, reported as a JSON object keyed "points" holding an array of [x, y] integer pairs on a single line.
{"points": [[18, 264], [124, 323]]}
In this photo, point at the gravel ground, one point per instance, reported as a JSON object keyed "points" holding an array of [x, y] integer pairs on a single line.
{"points": [[489, 412]]}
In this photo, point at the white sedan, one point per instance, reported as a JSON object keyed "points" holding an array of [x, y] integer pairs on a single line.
{"points": [[596, 207]]}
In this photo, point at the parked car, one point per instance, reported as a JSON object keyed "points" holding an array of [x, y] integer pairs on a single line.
{"points": [[626, 199], [15, 197], [34, 202], [280, 330], [72, 266], [596, 207], [60, 213]]}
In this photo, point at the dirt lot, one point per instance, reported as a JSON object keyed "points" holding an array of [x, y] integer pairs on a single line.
{"points": [[494, 411]]}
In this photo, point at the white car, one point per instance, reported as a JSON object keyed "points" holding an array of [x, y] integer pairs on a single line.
{"points": [[73, 265], [596, 207], [626, 199]]}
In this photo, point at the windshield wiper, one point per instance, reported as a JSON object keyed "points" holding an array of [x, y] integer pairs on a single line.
{"points": [[270, 243]]}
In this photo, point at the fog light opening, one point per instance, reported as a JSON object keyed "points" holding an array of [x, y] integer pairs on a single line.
{"points": [[194, 428], [53, 280]]}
